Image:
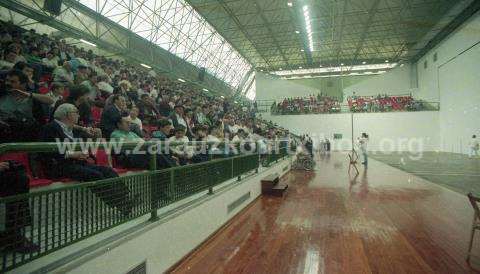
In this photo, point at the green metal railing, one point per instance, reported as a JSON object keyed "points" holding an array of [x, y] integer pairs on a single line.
{"points": [[53, 219]]}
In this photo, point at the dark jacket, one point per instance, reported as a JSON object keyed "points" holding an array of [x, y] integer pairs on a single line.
{"points": [[52, 162], [108, 122]]}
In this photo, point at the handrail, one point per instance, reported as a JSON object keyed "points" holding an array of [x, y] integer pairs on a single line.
{"points": [[101, 144]]}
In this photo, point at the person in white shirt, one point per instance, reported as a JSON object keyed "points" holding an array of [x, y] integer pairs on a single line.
{"points": [[135, 119], [362, 142], [51, 60], [474, 146]]}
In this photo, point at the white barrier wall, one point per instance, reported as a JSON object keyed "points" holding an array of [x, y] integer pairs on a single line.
{"points": [[394, 131], [454, 77]]}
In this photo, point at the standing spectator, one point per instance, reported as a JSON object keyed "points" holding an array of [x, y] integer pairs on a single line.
{"points": [[363, 142], [474, 146]]}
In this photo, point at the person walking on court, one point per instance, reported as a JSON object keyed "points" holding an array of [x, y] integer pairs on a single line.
{"points": [[474, 146], [363, 148]]}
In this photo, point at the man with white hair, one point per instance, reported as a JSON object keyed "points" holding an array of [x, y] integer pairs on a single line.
{"points": [[74, 165]]}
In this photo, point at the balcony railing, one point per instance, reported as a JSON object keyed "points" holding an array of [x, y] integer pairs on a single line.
{"points": [[54, 219]]}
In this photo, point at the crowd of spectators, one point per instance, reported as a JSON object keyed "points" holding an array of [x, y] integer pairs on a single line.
{"points": [[53, 90], [384, 103], [306, 105]]}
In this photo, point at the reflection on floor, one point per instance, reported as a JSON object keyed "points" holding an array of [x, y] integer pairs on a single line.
{"points": [[383, 221]]}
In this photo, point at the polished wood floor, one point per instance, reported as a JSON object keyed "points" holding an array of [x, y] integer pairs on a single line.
{"points": [[384, 221]]}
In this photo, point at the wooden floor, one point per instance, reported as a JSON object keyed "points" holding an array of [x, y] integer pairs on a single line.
{"points": [[384, 221]]}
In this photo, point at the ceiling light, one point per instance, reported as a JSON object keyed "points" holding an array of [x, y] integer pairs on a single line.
{"points": [[235, 102], [205, 89], [341, 64], [302, 50], [88, 43], [145, 66], [222, 96], [290, 4], [297, 31], [181, 80], [308, 26], [299, 67], [280, 68], [386, 61], [364, 62]]}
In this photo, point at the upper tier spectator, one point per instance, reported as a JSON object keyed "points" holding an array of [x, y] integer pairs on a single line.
{"points": [[56, 93], [111, 115], [51, 61], [64, 73], [17, 107]]}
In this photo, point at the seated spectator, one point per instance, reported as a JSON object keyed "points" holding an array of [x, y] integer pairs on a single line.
{"points": [[27, 69], [81, 74], [136, 124], [164, 130], [111, 115], [164, 108], [148, 113], [78, 96], [124, 134], [14, 181], [177, 117], [51, 61], [64, 74], [91, 85], [56, 93], [8, 59], [75, 165], [183, 152], [17, 106]]}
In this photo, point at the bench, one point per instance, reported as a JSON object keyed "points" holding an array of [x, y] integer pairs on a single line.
{"points": [[271, 185]]}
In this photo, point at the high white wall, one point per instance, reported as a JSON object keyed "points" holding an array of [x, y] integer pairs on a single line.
{"points": [[272, 88], [395, 131], [394, 82], [455, 79]]}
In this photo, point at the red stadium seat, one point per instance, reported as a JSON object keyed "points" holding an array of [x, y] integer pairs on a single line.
{"points": [[22, 158]]}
